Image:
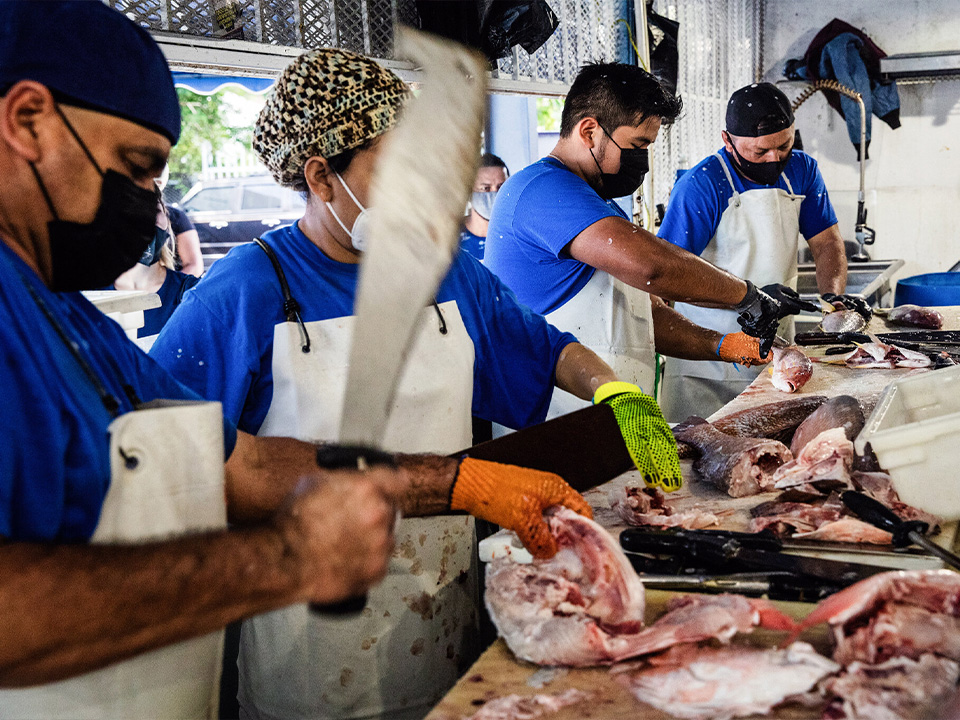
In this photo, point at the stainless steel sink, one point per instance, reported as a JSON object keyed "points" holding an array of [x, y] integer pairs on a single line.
{"points": [[870, 279]]}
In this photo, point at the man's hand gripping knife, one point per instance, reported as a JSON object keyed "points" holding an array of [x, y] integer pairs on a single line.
{"points": [[759, 316], [647, 435], [515, 498]]}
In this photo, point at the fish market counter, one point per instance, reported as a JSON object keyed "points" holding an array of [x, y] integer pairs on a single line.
{"points": [[498, 674]]}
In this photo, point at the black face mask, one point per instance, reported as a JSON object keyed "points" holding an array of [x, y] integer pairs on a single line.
{"points": [[634, 164], [765, 173], [152, 254], [86, 256]]}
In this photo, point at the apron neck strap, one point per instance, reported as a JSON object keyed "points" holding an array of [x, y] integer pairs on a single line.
{"points": [[291, 308]]}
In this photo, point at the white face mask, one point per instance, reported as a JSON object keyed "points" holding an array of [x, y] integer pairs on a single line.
{"points": [[360, 232]]}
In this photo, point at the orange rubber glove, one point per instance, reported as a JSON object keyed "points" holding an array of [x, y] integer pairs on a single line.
{"points": [[515, 498], [742, 348]]}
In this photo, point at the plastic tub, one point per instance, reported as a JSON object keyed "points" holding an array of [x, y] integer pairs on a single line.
{"points": [[929, 289], [915, 433]]}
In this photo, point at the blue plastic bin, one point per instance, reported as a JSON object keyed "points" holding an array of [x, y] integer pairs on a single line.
{"points": [[929, 289]]}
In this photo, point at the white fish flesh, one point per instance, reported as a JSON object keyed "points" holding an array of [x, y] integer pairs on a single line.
{"points": [[878, 354], [823, 463], [728, 682], [643, 506], [518, 707]]}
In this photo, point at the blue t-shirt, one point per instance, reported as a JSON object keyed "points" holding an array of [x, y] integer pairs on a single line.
{"points": [[220, 340], [702, 194], [175, 284], [538, 212], [473, 244], [54, 444]]}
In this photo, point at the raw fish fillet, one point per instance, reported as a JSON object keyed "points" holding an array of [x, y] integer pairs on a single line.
{"points": [[739, 466], [728, 682], [898, 630], [877, 354], [843, 321], [898, 689], [915, 316], [824, 464], [842, 411], [585, 605], [643, 506], [517, 707], [786, 518], [791, 369], [848, 529]]}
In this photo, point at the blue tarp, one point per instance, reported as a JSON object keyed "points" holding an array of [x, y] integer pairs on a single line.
{"points": [[208, 84]]}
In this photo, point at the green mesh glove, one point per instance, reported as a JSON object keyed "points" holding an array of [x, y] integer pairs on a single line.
{"points": [[645, 432]]}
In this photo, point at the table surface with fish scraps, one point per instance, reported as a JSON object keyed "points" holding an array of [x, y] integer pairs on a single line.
{"points": [[498, 673]]}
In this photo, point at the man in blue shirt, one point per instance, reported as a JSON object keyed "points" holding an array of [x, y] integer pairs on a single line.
{"points": [[743, 209], [559, 243], [491, 175], [116, 566]]}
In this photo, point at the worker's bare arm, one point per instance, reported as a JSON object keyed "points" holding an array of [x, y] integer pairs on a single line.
{"points": [[641, 259], [676, 336], [70, 609], [831, 260], [580, 371]]}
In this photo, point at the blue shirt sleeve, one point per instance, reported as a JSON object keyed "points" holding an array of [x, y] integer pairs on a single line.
{"points": [[516, 350], [816, 210], [695, 207]]}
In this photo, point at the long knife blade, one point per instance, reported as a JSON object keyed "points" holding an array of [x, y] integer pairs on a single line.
{"points": [[584, 447], [421, 186]]}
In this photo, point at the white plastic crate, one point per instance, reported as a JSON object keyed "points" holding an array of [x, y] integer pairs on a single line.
{"points": [[915, 433]]}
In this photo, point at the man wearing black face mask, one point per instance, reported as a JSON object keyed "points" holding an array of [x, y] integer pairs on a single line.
{"points": [[567, 251], [743, 209]]}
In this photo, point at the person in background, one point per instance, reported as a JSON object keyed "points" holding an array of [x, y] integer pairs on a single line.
{"points": [[117, 568], [491, 175], [478, 351], [743, 209], [186, 238], [566, 250], [155, 272]]}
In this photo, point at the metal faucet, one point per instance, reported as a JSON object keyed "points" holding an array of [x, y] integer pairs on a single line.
{"points": [[863, 234]]}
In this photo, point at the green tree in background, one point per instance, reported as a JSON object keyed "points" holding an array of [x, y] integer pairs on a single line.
{"points": [[548, 114], [205, 120]]}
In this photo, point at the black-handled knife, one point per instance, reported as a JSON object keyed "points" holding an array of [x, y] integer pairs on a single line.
{"points": [[905, 532]]}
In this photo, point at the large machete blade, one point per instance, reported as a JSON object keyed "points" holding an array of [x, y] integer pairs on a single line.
{"points": [[421, 186]]}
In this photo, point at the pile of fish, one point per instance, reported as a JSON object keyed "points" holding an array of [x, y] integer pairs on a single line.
{"points": [[897, 636]]}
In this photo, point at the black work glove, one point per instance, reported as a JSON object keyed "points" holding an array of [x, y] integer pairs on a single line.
{"points": [[759, 316], [850, 302], [790, 302]]}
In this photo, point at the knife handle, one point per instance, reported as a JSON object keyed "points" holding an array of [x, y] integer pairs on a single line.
{"points": [[879, 515], [352, 457]]}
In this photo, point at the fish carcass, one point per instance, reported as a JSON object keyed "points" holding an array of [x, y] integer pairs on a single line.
{"points": [[643, 506], [737, 465], [897, 689], [842, 411], [791, 369], [727, 682], [585, 605], [915, 316], [517, 707], [823, 464], [876, 354]]}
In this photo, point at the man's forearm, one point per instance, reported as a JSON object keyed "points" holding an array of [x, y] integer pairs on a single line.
{"points": [[654, 265], [830, 259], [580, 371], [678, 337], [70, 609]]}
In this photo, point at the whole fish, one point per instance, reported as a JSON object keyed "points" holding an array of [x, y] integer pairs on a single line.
{"points": [[739, 466], [915, 316], [842, 411], [791, 369], [840, 321]]}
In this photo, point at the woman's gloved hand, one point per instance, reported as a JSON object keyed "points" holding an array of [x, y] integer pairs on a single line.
{"points": [[743, 349], [515, 498], [645, 432]]}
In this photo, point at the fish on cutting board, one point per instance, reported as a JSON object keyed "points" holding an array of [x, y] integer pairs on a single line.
{"points": [[824, 464], [842, 411], [880, 355], [791, 369], [915, 316], [775, 420], [722, 683], [840, 321], [737, 465], [649, 507], [584, 606]]}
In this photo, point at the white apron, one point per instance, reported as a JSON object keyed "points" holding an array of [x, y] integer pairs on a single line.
{"points": [[615, 321], [174, 486], [401, 655], [757, 240]]}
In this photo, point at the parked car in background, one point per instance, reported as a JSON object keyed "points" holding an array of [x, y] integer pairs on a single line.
{"points": [[234, 211]]}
